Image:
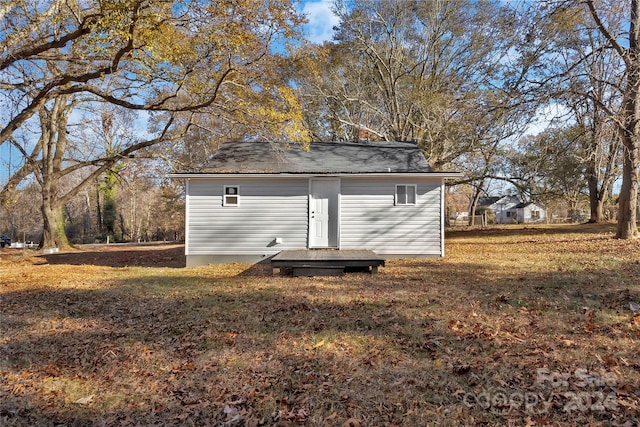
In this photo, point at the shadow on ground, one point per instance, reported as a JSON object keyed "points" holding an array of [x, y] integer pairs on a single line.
{"points": [[171, 256]]}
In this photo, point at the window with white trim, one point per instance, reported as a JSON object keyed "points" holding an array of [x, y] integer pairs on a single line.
{"points": [[405, 194], [231, 196]]}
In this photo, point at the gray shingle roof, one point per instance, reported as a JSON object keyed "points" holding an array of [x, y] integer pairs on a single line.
{"points": [[487, 201], [322, 158], [525, 204]]}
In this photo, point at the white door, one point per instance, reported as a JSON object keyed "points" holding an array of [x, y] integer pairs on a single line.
{"points": [[323, 213]]}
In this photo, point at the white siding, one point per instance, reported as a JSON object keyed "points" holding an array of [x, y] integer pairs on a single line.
{"points": [[278, 207], [524, 214], [268, 208], [369, 219]]}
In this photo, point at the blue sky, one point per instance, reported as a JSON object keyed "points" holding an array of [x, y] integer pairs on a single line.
{"points": [[321, 20]]}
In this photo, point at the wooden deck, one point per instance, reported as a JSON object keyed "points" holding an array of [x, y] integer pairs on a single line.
{"points": [[326, 262]]}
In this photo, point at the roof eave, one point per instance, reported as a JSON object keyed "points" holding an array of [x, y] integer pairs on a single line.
{"points": [[310, 175]]}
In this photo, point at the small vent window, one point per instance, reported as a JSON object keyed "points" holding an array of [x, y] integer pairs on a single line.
{"points": [[231, 195]]}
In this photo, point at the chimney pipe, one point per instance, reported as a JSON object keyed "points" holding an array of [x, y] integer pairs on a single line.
{"points": [[363, 134]]}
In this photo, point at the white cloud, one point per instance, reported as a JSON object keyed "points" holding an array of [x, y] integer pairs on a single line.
{"points": [[321, 20], [549, 115]]}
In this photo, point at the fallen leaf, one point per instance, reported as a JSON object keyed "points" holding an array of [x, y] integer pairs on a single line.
{"points": [[352, 422], [85, 400], [332, 417]]}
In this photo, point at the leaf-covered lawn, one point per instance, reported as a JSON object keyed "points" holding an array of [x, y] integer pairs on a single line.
{"points": [[517, 326]]}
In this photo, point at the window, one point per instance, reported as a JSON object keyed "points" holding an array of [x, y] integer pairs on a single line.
{"points": [[231, 196], [405, 194], [535, 214], [508, 214]]}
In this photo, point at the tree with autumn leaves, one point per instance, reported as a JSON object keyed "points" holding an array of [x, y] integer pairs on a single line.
{"points": [[178, 61]]}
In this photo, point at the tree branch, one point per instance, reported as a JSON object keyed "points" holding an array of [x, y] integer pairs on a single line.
{"points": [[605, 32], [107, 162], [84, 29]]}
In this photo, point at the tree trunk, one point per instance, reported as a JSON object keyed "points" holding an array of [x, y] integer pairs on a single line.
{"points": [[596, 204], [447, 217], [600, 217], [100, 225], [474, 204], [627, 204], [53, 235], [629, 132], [595, 201], [87, 216]]}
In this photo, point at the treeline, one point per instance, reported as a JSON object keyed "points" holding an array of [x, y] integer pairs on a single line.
{"points": [[90, 88], [139, 206]]}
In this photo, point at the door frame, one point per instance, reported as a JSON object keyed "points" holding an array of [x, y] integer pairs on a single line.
{"points": [[338, 184]]}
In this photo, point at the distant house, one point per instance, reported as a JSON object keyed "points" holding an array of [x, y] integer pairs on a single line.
{"points": [[501, 206], [509, 210], [254, 200], [530, 213]]}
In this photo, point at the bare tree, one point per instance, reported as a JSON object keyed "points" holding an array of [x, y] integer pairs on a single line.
{"points": [[595, 62], [438, 73], [627, 117], [591, 92], [548, 166]]}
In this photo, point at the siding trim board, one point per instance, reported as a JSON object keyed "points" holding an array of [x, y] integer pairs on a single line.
{"points": [[187, 239]]}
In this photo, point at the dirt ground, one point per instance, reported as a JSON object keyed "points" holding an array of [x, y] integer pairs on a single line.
{"points": [[113, 255]]}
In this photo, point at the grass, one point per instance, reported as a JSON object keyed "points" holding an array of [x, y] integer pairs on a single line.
{"points": [[516, 326]]}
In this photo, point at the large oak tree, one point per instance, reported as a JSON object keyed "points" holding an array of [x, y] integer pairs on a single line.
{"points": [[172, 58]]}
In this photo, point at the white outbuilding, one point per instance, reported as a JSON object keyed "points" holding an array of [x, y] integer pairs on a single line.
{"points": [[254, 200]]}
